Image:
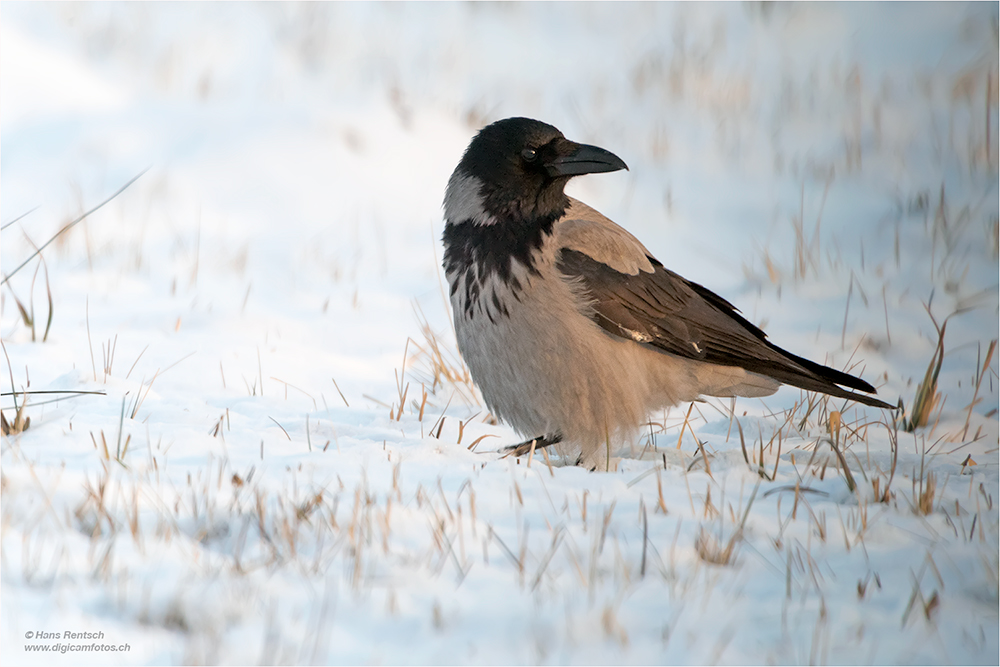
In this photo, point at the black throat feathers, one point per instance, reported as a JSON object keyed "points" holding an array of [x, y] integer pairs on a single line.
{"points": [[476, 251]]}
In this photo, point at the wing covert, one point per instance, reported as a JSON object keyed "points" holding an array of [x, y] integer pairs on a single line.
{"points": [[663, 310]]}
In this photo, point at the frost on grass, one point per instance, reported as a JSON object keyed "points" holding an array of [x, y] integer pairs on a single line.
{"points": [[265, 448]]}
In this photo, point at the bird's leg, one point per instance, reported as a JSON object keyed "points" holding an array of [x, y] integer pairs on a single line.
{"points": [[523, 448]]}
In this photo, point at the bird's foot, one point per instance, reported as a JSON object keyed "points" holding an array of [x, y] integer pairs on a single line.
{"points": [[524, 448]]}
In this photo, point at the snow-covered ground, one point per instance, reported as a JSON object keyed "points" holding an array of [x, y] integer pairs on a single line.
{"points": [[246, 488]]}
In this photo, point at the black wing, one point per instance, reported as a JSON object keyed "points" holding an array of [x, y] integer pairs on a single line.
{"points": [[675, 315]]}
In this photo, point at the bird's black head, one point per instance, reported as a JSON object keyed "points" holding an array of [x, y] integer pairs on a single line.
{"points": [[523, 166]]}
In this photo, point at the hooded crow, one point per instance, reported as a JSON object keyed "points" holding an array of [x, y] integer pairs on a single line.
{"points": [[572, 330]]}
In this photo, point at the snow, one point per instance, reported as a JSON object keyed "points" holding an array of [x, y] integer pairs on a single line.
{"points": [[221, 502]]}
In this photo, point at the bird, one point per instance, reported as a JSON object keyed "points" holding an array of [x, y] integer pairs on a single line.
{"points": [[572, 330]]}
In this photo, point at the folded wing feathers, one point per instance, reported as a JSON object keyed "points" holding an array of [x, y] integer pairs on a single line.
{"points": [[688, 320]]}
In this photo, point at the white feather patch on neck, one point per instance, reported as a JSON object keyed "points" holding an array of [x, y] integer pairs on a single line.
{"points": [[463, 202]]}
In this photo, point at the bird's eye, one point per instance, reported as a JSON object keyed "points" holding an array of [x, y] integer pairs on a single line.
{"points": [[528, 154]]}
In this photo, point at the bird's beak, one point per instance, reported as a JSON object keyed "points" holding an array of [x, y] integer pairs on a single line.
{"points": [[575, 159]]}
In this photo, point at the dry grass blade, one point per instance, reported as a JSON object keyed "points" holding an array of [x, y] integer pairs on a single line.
{"points": [[29, 319], [342, 397], [547, 558], [475, 442], [807, 248], [510, 554], [925, 495], [711, 550], [441, 366], [280, 426], [7, 276], [645, 541], [140, 396], [23, 215], [21, 422], [848, 477], [704, 459], [812, 402], [401, 390], [57, 400], [885, 495], [680, 436], [979, 381], [847, 310], [743, 442], [439, 422], [548, 462], [25, 315], [927, 396], [48, 296], [52, 391]]}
